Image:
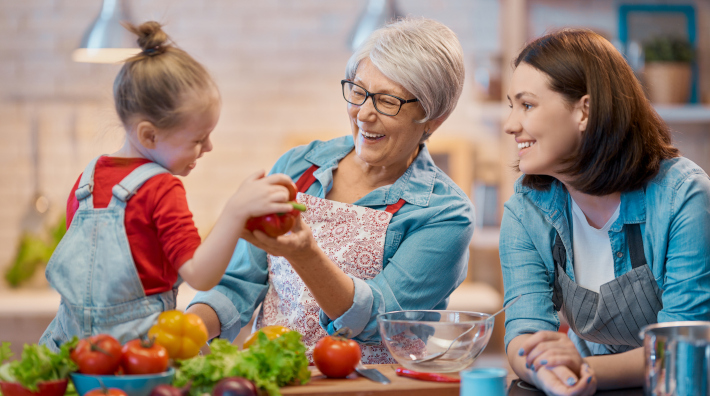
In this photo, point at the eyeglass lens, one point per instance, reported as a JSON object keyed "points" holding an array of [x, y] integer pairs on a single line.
{"points": [[385, 104]]}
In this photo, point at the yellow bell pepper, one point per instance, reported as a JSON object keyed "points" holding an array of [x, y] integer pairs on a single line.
{"points": [[270, 331], [182, 334]]}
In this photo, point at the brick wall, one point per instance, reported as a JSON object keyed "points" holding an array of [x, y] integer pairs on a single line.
{"points": [[277, 62]]}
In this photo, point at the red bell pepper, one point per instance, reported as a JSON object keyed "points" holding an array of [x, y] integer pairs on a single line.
{"points": [[403, 372], [276, 224]]}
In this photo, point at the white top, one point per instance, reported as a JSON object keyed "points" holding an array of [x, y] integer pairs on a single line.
{"points": [[593, 260]]}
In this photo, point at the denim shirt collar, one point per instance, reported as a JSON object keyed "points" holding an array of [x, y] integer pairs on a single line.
{"points": [[555, 201], [415, 186]]}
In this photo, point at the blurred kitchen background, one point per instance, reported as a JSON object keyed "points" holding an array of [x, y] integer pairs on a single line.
{"points": [[278, 64]]}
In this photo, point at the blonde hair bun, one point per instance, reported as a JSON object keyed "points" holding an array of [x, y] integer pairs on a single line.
{"points": [[153, 87], [151, 37]]}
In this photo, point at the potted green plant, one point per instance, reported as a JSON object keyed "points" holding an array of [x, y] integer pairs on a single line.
{"points": [[667, 71]]}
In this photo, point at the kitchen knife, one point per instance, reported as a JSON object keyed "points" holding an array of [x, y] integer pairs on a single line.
{"points": [[371, 374]]}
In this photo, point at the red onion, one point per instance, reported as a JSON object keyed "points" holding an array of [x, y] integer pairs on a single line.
{"points": [[234, 386], [169, 390]]}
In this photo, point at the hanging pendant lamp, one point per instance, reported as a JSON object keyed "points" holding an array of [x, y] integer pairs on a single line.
{"points": [[375, 16], [106, 41]]}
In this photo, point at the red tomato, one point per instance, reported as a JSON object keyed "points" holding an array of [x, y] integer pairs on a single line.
{"points": [[99, 354], [144, 357], [45, 388], [106, 392], [336, 356]]}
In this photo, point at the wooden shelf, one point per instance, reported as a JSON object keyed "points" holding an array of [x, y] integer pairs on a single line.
{"points": [[672, 114], [684, 114], [44, 302]]}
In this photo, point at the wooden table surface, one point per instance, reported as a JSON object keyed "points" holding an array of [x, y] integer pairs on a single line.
{"points": [[355, 385]]}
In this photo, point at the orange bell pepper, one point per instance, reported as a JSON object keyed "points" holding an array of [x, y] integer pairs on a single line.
{"points": [[182, 334]]}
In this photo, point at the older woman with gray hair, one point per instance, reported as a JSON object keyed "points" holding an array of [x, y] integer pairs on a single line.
{"points": [[385, 230]]}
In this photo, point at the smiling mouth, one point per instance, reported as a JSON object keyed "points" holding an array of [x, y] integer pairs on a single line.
{"points": [[371, 136], [523, 145]]}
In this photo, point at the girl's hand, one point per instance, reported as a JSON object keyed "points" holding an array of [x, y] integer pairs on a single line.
{"points": [[550, 349], [554, 381], [259, 195], [296, 245]]}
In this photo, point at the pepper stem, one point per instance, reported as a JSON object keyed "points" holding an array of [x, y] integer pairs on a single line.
{"points": [[298, 206]]}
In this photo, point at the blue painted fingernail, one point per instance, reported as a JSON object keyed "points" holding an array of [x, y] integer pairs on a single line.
{"points": [[589, 379], [544, 362], [571, 381], [527, 365], [521, 351]]}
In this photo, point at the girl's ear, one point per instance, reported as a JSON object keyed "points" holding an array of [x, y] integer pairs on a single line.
{"points": [[146, 134], [583, 109]]}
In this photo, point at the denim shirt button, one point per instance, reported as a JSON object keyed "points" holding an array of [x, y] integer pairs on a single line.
{"points": [[619, 254]]}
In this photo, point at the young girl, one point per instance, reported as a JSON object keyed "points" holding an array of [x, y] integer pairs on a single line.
{"points": [[608, 228], [130, 233]]}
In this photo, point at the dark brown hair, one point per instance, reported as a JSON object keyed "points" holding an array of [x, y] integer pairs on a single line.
{"points": [[154, 83], [625, 139]]}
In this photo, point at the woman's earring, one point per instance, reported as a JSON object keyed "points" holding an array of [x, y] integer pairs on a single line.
{"points": [[425, 136]]}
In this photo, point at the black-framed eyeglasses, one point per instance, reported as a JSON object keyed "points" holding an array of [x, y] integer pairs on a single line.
{"points": [[384, 103]]}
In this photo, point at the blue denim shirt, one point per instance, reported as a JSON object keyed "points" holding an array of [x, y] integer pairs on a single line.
{"points": [[673, 210], [425, 255]]}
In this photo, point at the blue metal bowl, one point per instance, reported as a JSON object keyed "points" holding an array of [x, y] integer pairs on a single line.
{"points": [[133, 385]]}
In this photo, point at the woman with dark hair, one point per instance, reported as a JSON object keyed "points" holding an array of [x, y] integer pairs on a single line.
{"points": [[608, 228]]}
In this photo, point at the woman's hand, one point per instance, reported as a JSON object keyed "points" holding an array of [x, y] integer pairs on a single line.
{"points": [[551, 348], [296, 246], [554, 381], [558, 367], [331, 287]]}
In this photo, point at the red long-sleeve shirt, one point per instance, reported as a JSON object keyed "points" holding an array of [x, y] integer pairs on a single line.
{"points": [[161, 233]]}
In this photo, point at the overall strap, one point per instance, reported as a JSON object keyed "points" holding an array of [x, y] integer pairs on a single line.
{"points": [[86, 186], [132, 182], [635, 242], [307, 179]]}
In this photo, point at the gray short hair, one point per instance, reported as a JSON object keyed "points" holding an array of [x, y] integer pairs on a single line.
{"points": [[423, 56]]}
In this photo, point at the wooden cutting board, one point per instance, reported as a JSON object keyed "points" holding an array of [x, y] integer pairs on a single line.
{"points": [[355, 385]]}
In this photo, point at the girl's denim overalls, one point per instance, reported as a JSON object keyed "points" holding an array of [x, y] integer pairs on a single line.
{"points": [[93, 270]]}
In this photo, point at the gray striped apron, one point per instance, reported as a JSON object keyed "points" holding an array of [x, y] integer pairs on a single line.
{"points": [[608, 321]]}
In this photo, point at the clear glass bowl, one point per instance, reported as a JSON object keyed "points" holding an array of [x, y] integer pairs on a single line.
{"points": [[414, 335]]}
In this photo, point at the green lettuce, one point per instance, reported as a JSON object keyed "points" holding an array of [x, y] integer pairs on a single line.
{"points": [[37, 364], [269, 364]]}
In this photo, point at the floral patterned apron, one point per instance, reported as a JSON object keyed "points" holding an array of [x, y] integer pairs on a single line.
{"points": [[353, 237]]}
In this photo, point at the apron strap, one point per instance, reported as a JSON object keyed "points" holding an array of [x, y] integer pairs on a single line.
{"points": [[307, 179], [559, 256], [395, 206], [635, 241], [559, 253]]}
